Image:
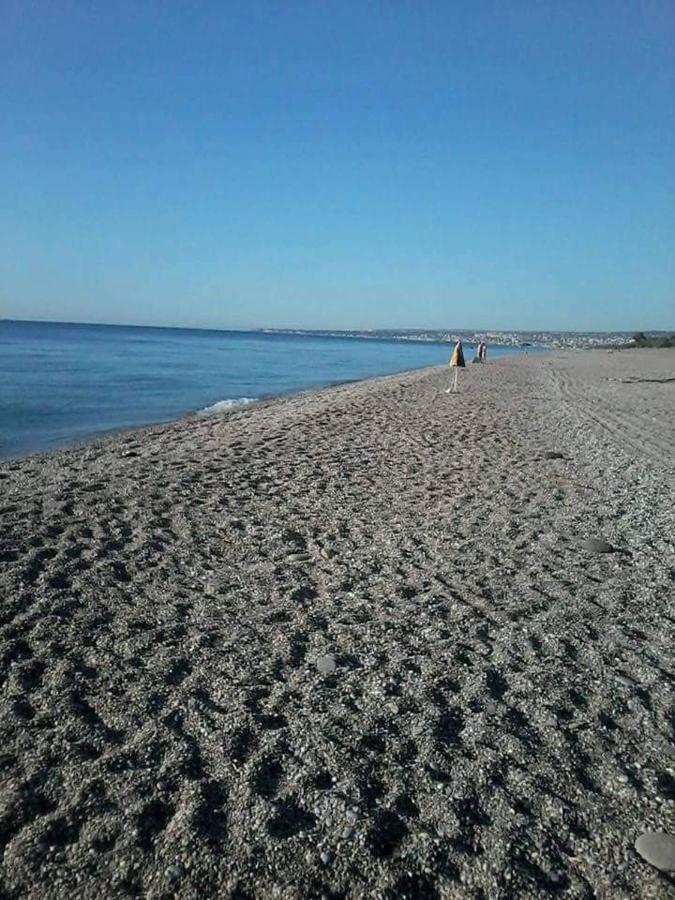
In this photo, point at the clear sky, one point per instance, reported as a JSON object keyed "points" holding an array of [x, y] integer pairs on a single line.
{"points": [[339, 164]]}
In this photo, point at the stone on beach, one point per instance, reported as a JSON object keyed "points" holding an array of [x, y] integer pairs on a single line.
{"points": [[174, 872], [657, 848], [596, 545], [326, 664]]}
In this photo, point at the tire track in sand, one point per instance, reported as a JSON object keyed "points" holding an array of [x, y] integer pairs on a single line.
{"points": [[630, 431]]}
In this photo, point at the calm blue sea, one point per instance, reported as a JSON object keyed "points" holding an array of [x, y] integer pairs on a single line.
{"points": [[60, 383]]}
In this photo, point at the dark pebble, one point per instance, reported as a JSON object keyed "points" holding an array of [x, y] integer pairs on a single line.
{"points": [[174, 872], [595, 545]]}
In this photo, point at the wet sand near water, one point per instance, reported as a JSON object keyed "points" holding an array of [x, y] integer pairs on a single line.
{"points": [[352, 643]]}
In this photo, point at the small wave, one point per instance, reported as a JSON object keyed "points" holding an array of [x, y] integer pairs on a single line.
{"points": [[224, 406]]}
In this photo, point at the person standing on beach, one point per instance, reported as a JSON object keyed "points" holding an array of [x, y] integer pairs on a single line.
{"points": [[482, 351]]}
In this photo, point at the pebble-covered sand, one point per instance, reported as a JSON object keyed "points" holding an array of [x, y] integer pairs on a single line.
{"points": [[355, 643]]}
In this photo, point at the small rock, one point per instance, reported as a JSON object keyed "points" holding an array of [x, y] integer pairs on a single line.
{"points": [[658, 848], [326, 664], [553, 454], [325, 857], [595, 545], [174, 872], [299, 557]]}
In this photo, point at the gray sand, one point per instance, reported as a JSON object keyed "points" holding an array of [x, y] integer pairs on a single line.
{"points": [[349, 644]]}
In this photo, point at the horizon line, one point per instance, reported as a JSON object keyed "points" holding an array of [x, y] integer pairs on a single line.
{"points": [[290, 328]]}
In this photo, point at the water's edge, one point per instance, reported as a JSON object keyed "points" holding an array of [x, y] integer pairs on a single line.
{"points": [[96, 438]]}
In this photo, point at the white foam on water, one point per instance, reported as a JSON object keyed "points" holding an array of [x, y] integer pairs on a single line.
{"points": [[225, 406]]}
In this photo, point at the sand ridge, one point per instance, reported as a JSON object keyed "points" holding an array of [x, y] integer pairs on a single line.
{"points": [[498, 720]]}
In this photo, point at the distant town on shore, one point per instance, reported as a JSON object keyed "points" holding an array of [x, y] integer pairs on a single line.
{"points": [[539, 339]]}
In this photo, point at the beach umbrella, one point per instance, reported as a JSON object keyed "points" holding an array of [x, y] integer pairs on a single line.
{"points": [[456, 363]]}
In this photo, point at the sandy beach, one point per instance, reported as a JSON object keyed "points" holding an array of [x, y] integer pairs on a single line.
{"points": [[349, 643]]}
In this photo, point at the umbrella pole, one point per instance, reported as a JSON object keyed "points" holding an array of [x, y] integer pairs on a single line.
{"points": [[454, 387]]}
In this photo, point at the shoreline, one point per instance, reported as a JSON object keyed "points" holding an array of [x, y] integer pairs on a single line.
{"points": [[102, 437], [349, 642], [81, 435]]}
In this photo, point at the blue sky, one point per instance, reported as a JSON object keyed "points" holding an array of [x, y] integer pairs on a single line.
{"points": [[339, 164]]}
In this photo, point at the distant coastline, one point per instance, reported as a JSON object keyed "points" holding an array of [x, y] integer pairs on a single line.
{"points": [[514, 338], [543, 340]]}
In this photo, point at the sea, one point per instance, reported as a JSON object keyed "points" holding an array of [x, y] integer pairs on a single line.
{"points": [[62, 383]]}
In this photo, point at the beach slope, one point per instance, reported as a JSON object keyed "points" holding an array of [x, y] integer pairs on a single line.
{"points": [[361, 642]]}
